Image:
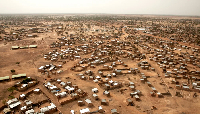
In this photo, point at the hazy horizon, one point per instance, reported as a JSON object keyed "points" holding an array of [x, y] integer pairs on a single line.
{"points": [[143, 7]]}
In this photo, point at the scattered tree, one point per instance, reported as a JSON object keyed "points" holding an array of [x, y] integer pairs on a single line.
{"points": [[11, 89], [12, 71], [4, 102], [11, 97]]}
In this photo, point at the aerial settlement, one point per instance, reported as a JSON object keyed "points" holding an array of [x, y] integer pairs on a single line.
{"points": [[111, 64]]}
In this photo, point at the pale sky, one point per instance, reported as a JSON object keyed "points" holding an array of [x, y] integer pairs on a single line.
{"points": [[166, 7]]}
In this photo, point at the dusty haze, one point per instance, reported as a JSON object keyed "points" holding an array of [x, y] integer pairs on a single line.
{"points": [[166, 7]]}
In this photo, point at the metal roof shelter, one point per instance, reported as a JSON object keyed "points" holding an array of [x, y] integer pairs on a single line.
{"points": [[15, 47], [114, 111], [23, 47], [15, 104], [32, 46], [4, 78], [88, 101], [31, 111], [12, 101], [86, 110], [6, 110], [18, 76]]}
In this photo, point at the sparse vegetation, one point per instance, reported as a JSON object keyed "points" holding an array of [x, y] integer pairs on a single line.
{"points": [[11, 97], [4, 102], [11, 89]]}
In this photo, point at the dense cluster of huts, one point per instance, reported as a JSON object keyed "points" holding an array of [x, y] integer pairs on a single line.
{"points": [[24, 105], [108, 50], [65, 91]]}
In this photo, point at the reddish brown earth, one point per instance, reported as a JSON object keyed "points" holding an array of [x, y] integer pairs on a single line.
{"points": [[31, 59]]}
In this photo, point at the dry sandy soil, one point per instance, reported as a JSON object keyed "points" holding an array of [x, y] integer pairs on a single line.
{"points": [[31, 59]]}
